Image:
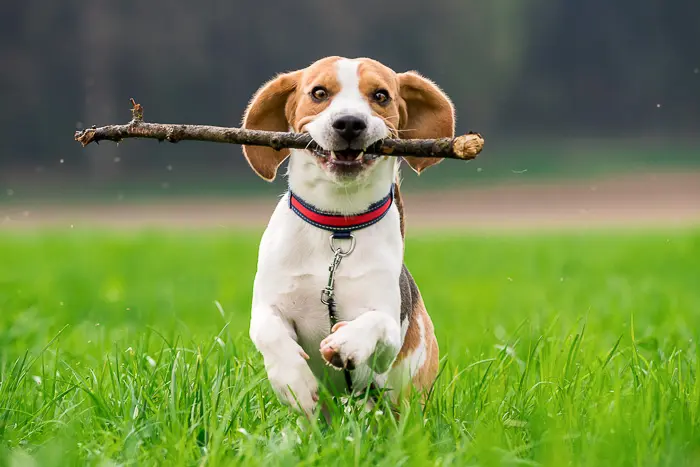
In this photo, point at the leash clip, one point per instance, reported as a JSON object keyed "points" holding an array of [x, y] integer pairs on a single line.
{"points": [[338, 254]]}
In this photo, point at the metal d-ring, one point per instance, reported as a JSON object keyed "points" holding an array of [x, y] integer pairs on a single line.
{"points": [[338, 250]]}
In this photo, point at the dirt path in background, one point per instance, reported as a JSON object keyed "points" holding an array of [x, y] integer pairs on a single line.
{"points": [[666, 199]]}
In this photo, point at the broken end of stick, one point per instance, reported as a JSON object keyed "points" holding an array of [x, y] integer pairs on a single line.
{"points": [[136, 111], [85, 137], [468, 146]]}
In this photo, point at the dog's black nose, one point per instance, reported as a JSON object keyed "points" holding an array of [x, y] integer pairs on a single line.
{"points": [[349, 127]]}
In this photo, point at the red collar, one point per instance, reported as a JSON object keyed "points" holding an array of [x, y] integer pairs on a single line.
{"points": [[339, 223]]}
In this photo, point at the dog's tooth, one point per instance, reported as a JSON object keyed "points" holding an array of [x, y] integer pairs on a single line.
{"points": [[362, 153], [333, 155]]}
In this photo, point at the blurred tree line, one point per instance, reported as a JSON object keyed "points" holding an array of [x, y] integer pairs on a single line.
{"points": [[535, 68]]}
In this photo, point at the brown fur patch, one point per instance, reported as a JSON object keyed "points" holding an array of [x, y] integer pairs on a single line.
{"points": [[427, 373], [426, 112], [399, 205], [304, 109], [412, 339], [373, 76], [267, 112], [424, 377]]}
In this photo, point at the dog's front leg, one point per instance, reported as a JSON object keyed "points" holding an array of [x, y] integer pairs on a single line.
{"points": [[373, 338], [285, 360]]}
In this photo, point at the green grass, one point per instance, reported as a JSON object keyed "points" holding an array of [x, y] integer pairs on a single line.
{"points": [[558, 349]]}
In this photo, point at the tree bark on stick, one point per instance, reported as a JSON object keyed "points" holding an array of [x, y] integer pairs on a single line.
{"points": [[465, 147]]}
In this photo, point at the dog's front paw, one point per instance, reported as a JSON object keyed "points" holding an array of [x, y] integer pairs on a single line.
{"points": [[295, 385], [348, 346]]}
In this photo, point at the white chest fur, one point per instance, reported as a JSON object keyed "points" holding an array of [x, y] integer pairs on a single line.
{"points": [[293, 270]]}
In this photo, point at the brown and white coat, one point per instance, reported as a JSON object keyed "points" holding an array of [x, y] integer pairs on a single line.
{"points": [[385, 332]]}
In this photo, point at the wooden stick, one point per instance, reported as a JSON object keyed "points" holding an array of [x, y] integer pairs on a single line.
{"points": [[465, 147]]}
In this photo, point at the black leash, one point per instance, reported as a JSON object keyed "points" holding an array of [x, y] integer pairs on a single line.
{"points": [[334, 320], [328, 294]]}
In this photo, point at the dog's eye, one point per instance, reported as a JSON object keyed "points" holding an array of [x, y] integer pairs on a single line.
{"points": [[381, 96], [319, 93]]}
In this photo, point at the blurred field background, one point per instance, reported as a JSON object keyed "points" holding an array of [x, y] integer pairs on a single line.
{"points": [[560, 267], [566, 92]]}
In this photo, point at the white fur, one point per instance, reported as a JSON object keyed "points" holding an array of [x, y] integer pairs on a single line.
{"points": [[288, 318]]}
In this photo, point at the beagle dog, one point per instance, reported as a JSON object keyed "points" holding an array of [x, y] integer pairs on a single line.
{"points": [[333, 302]]}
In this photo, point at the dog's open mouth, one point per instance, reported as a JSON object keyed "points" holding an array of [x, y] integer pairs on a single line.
{"points": [[345, 157]]}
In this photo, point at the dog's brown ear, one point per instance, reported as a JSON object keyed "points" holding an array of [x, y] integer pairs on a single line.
{"points": [[266, 111], [425, 112]]}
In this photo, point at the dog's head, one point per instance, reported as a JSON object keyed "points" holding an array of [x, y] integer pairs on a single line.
{"points": [[346, 105]]}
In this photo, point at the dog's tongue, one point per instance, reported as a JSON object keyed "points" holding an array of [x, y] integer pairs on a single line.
{"points": [[347, 155]]}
